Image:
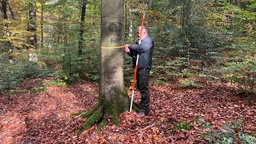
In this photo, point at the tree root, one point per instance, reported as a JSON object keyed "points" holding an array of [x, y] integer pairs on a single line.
{"points": [[103, 113], [95, 116]]}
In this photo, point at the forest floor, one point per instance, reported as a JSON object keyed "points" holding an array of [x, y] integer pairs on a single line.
{"points": [[177, 116]]}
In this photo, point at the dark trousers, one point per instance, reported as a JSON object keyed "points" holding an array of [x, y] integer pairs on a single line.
{"points": [[143, 86]]}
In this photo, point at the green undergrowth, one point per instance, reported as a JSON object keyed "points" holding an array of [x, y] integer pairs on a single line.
{"points": [[182, 126], [38, 90], [230, 133]]}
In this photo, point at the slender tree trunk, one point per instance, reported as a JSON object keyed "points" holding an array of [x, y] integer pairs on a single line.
{"points": [[131, 26], [4, 9], [81, 39], [32, 40], [186, 14], [5, 16], [130, 20], [185, 21], [237, 3], [42, 25], [12, 13], [150, 3], [7, 33]]}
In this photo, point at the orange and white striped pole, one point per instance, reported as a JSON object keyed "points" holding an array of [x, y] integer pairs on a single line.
{"points": [[137, 62]]}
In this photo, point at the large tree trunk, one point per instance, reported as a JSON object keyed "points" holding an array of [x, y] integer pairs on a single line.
{"points": [[112, 34], [112, 99]]}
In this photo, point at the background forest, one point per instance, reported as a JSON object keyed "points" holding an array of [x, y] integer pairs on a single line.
{"points": [[205, 39], [203, 80]]}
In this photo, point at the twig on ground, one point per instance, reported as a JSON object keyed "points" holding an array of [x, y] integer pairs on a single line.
{"points": [[147, 127]]}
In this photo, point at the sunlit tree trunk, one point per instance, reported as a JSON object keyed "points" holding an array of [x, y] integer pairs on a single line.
{"points": [[10, 10], [32, 40], [7, 33], [129, 20], [42, 24]]}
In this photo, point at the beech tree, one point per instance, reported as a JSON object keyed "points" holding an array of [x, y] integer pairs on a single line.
{"points": [[112, 99]]}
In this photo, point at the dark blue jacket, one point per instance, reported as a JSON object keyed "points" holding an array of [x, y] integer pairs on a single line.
{"points": [[145, 50]]}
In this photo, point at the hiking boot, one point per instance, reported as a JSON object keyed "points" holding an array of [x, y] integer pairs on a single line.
{"points": [[140, 114]]}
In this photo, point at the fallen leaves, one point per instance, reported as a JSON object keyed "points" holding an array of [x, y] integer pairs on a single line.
{"points": [[44, 117]]}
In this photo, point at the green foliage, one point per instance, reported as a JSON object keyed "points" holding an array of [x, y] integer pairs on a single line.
{"points": [[57, 82], [40, 89], [200, 43], [175, 67], [183, 126], [247, 138], [11, 74], [62, 77], [185, 37], [240, 68], [76, 69], [229, 133], [35, 70], [214, 34], [16, 92], [189, 83]]}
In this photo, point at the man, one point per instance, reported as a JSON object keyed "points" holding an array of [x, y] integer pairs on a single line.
{"points": [[144, 47]]}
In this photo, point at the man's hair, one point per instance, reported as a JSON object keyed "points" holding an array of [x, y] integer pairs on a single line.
{"points": [[143, 29]]}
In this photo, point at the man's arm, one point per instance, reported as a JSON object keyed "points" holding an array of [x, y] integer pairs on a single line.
{"points": [[145, 45], [130, 52]]}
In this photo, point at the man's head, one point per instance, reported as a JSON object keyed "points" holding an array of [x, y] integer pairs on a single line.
{"points": [[143, 31]]}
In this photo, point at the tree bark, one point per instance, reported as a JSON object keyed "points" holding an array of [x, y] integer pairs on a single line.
{"points": [[112, 34], [237, 3], [150, 3], [113, 98], [42, 25], [12, 13], [7, 32], [129, 20], [32, 40], [81, 39], [4, 9]]}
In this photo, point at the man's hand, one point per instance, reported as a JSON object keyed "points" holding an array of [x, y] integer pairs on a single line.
{"points": [[126, 49]]}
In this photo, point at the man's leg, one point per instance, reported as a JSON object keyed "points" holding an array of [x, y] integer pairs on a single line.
{"points": [[143, 85]]}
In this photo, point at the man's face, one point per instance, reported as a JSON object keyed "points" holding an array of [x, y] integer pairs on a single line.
{"points": [[138, 33]]}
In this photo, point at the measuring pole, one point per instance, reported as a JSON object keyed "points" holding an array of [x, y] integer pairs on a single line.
{"points": [[137, 62]]}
